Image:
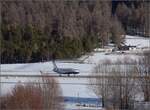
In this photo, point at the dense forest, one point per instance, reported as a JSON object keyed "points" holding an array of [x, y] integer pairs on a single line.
{"points": [[134, 16], [33, 30]]}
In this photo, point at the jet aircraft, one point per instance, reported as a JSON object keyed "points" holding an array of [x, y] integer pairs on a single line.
{"points": [[62, 71]]}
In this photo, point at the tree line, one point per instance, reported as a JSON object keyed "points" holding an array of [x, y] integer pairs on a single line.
{"points": [[32, 31], [135, 17]]}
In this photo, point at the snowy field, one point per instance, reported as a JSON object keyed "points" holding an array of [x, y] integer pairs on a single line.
{"points": [[85, 68], [140, 42], [68, 89]]}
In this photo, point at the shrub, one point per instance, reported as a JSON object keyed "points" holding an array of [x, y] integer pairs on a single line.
{"points": [[44, 95]]}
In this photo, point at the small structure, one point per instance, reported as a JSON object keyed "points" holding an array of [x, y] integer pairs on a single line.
{"points": [[126, 47]]}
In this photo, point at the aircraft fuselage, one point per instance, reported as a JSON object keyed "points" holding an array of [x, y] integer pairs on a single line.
{"points": [[67, 71]]}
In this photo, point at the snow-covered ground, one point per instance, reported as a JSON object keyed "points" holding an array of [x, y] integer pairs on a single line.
{"points": [[85, 68], [140, 42], [68, 89]]}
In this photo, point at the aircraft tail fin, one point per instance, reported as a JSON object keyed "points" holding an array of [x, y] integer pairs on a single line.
{"points": [[54, 64]]}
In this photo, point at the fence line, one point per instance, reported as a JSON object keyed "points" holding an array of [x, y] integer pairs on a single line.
{"points": [[79, 76], [96, 84]]}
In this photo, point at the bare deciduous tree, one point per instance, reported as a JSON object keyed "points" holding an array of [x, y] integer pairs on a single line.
{"points": [[117, 32], [143, 69], [42, 95], [116, 84]]}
